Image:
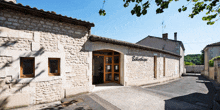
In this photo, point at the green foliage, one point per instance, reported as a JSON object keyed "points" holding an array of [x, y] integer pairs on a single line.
{"points": [[189, 63], [194, 58], [102, 12], [211, 62], [211, 7]]}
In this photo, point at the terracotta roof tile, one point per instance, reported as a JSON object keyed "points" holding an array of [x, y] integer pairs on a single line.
{"points": [[95, 38]]}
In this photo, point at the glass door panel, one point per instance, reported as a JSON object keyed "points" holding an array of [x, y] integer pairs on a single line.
{"points": [[116, 77], [116, 68], [108, 77], [112, 68], [116, 59], [108, 68], [108, 60]]}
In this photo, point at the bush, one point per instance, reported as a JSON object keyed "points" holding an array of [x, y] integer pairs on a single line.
{"points": [[211, 62], [189, 63]]}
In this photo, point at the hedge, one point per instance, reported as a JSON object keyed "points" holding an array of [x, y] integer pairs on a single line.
{"points": [[189, 63], [211, 62]]}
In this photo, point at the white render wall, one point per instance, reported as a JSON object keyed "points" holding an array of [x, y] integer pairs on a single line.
{"points": [[134, 73], [168, 45]]}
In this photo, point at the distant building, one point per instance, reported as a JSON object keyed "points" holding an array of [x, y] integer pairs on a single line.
{"points": [[166, 44], [210, 51]]}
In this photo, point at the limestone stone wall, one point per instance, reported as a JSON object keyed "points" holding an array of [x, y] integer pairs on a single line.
{"points": [[15, 1], [5, 61], [211, 73], [194, 68], [142, 72], [48, 91], [23, 35], [13, 43]]}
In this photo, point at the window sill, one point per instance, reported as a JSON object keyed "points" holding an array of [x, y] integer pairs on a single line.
{"points": [[51, 74], [37, 79]]}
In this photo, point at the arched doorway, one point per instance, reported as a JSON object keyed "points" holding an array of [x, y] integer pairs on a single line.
{"points": [[106, 67]]}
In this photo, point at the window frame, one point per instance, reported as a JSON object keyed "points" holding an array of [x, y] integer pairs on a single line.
{"points": [[54, 74], [155, 67], [21, 68]]}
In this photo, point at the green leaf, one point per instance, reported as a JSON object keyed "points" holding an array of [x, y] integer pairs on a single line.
{"points": [[132, 12], [179, 9], [185, 8], [144, 12]]}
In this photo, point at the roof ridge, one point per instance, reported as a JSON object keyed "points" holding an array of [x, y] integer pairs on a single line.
{"points": [[212, 45], [125, 43], [181, 43], [42, 10]]}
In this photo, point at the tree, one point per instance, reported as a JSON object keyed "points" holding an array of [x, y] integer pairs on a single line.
{"points": [[202, 58], [194, 58], [211, 7]]}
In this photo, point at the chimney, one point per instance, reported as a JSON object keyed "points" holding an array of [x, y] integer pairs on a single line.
{"points": [[175, 36], [165, 36], [14, 1]]}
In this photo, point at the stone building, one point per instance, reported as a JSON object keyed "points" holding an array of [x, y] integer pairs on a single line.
{"points": [[210, 51], [45, 57], [164, 43]]}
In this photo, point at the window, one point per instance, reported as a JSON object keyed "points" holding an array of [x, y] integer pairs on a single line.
{"points": [[54, 66], [155, 66], [27, 67]]}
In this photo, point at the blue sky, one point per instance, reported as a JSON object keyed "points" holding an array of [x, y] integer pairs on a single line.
{"points": [[121, 25]]}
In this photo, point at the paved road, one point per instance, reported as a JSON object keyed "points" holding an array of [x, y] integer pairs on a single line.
{"points": [[191, 88], [191, 92]]}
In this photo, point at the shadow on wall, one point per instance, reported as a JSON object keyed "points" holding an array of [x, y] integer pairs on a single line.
{"points": [[194, 101], [6, 86], [62, 31]]}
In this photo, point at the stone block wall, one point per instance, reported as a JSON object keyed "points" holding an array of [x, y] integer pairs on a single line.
{"points": [[194, 68], [211, 73], [23, 35], [48, 91], [217, 69], [13, 43]]}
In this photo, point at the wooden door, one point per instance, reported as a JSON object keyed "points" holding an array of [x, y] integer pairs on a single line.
{"points": [[112, 68], [108, 68], [116, 67]]}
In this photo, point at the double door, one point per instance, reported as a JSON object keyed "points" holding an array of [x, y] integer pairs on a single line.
{"points": [[112, 68]]}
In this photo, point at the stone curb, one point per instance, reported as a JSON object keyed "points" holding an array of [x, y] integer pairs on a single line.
{"points": [[160, 83]]}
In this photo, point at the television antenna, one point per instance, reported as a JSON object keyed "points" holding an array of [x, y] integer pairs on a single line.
{"points": [[163, 26]]}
